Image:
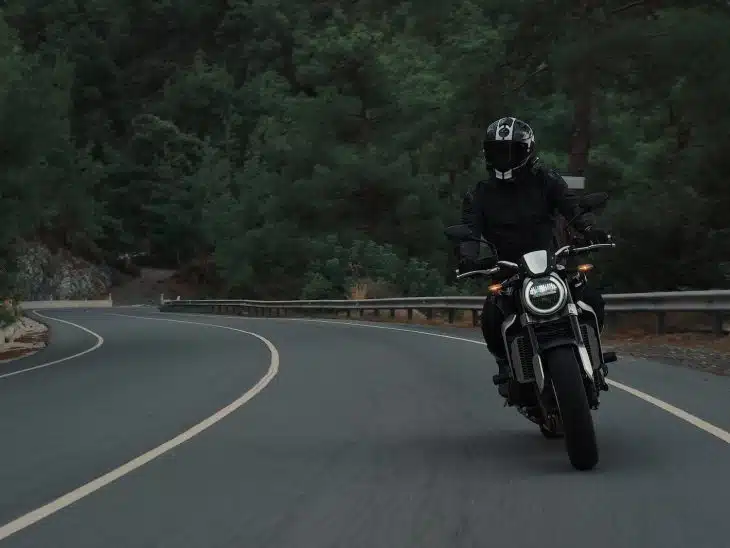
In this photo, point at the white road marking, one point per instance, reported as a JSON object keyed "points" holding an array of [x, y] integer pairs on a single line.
{"points": [[85, 490], [695, 421], [99, 342], [710, 428]]}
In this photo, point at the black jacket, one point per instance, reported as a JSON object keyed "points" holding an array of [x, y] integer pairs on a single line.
{"points": [[519, 216]]}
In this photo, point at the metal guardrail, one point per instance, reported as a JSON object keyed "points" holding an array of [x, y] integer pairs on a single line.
{"points": [[714, 302], [61, 303]]}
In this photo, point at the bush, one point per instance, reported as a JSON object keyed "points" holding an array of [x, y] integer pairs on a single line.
{"points": [[8, 313]]}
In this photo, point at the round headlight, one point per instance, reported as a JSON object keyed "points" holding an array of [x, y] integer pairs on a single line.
{"points": [[545, 296]]}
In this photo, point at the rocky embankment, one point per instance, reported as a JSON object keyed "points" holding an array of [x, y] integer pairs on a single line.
{"points": [[44, 275]]}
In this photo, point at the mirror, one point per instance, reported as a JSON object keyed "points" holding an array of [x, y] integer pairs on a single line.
{"points": [[461, 233], [593, 201]]}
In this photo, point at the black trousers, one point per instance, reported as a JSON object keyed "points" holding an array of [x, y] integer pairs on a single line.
{"points": [[495, 310]]}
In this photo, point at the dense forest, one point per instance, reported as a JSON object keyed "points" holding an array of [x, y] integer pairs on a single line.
{"points": [[299, 149]]}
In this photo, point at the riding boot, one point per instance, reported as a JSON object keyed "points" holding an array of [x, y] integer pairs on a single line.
{"points": [[501, 379]]}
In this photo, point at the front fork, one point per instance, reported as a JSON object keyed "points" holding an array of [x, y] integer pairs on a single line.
{"points": [[590, 382]]}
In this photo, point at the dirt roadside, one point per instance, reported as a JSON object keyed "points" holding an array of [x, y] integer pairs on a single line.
{"points": [[31, 337]]}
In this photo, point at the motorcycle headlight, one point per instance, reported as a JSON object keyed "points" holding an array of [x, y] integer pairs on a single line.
{"points": [[545, 296]]}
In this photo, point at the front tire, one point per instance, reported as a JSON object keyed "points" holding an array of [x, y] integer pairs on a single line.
{"points": [[570, 393]]}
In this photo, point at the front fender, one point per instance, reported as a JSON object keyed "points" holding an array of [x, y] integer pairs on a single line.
{"points": [[585, 359]]}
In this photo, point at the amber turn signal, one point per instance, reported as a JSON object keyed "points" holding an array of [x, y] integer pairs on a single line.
{"points": [[585, 267]]}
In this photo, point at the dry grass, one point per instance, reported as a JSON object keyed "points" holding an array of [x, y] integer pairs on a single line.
{"points": [[359, 291]]}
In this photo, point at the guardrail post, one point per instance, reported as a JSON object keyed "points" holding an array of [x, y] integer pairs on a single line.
{"points": [[452, 315], [429, 313], [392, 313], [474, 318], [410, 314], [717, 320], [661, 323]]}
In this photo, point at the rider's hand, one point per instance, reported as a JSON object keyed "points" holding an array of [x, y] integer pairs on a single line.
{"points": [[597, 235], [467, 264]]}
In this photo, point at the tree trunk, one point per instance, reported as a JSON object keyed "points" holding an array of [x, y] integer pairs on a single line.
{"points": [[580, 142]]}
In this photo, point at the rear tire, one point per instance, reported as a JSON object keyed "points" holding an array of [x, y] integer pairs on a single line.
{"points": [[570, 393]]}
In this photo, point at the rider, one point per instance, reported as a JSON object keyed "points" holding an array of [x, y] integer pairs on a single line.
{"points": [[515, 211]]}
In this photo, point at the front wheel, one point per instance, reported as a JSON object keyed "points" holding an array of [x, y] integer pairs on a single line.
{"points": [[570, 393]]}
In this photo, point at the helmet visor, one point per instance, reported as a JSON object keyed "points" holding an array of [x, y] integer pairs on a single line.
{"points": [[506, 155]]}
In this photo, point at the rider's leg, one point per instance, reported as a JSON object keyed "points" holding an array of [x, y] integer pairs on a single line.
{"points": [[593, 298], [491, 324]]}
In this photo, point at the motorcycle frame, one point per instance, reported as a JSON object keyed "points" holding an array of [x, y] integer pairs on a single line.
{"points": [[575, 312]]}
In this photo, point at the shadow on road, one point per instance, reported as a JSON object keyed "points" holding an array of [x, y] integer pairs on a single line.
{"points": [[506, 453], [526, 451]]}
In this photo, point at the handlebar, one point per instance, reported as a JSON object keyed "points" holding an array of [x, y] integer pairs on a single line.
{"points": [[570, 250], [489, 272], [473, 273], [565, 250]]}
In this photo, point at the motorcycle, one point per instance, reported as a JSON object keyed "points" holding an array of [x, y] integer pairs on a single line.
{"points": [[557, 365]]}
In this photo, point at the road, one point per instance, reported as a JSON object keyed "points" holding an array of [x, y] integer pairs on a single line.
{"points": [[338, 435]]}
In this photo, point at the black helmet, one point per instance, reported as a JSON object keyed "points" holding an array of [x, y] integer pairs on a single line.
{"points": [[509, 145]]}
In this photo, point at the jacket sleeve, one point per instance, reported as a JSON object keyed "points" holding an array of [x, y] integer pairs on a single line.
{"points": [[467, 207], [565, 201]]}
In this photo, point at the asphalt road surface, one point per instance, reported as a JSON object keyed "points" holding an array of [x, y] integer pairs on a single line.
{"points": [[326, 434]]}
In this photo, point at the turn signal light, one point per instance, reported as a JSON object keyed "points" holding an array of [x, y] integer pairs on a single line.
{"points": [[495, 288], [585, 267]]}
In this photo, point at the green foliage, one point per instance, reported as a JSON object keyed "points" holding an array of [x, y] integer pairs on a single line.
{"points": [[6, 317], [9, 312], [309, 149]]}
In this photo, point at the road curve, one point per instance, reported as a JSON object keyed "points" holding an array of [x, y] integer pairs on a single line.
{"points": [[367, 437]]}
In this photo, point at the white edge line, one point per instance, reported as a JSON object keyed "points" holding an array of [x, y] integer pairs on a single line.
{"points": [[695, 421], [99, 342], [87, 489]]}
